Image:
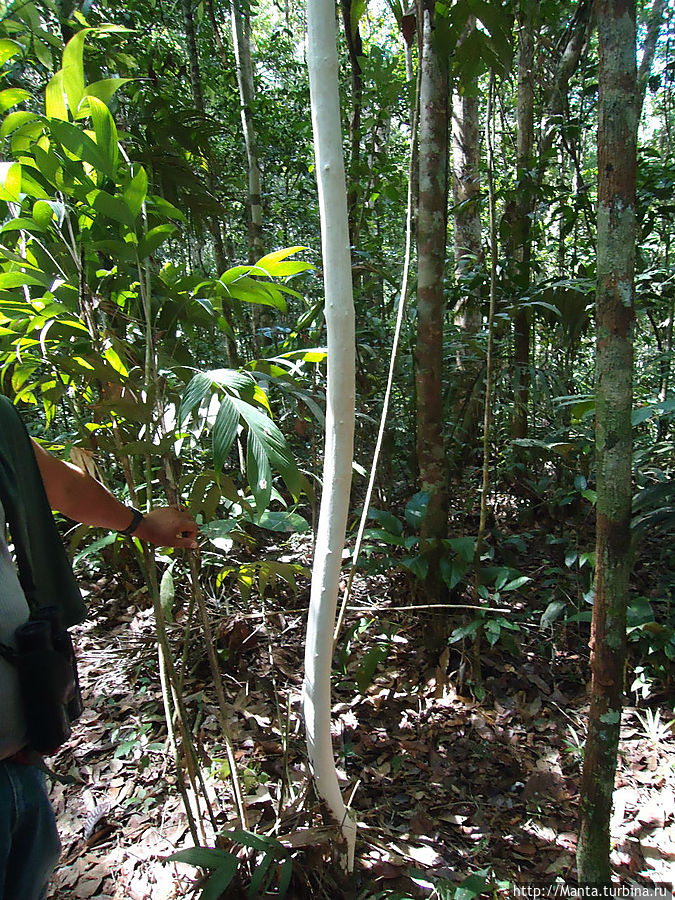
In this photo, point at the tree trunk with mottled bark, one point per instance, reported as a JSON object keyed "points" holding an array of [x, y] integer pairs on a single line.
{"points": [[241, 40], [431, 243], [617, 142], [468, 247], [523, 214]]}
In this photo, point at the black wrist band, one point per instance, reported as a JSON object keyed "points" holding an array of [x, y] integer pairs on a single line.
{"points": [[135, 522]]}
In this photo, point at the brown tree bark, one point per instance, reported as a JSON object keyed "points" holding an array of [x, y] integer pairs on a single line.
{"points": [[468, 249], [617, 153], [431, 244], [523, 213]]}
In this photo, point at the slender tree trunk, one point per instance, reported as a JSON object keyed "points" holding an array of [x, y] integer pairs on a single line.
{"points": [[322, 62], [617, 140], [241, 40], [468, 249], [523, 213], [431, 241], [198, 97]]}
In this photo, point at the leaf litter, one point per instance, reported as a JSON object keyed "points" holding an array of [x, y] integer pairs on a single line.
{"points": [[443, 786]]}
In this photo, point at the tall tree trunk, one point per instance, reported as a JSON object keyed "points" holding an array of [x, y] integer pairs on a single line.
{"points": [[198, 97], [617, 142], [322, 61], [523, 213], [431, 241], [468, 249], [241, 40]]}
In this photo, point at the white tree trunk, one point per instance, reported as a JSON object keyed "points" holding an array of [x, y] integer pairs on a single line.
{"points": [[337, 472]]}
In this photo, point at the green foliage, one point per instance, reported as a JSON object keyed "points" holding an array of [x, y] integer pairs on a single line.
{"points": [[271, 872]]}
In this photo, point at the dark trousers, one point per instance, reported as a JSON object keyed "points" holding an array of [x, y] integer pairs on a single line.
{"points": [[29, 841]]}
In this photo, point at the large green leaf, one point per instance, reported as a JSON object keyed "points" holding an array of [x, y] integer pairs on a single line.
{"points": [[284, 521], [9, 280], [247, 290], [223, 863], [258, 471], [111, 207], [11, 96], [82, 146], [73, 69], [198, 388], [103, 89], [274, 264], [154, 239], [8, 49], [273, 443], [55, 100], [224, 431], [10, 181], [16, 120], [105, 131], [136, 191]]}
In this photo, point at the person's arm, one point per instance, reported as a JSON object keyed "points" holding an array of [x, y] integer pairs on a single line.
{"points": [[80, 497]]}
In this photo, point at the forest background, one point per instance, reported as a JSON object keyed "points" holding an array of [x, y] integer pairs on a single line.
{"points": [[162, 322]]}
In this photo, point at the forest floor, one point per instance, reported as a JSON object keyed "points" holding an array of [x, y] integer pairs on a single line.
{"points": [[445, 788]]}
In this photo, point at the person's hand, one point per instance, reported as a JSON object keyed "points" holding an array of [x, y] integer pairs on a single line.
{"points": [[168, 526]]}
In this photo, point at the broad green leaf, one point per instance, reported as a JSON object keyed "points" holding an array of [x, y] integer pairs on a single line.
{"points": [[42, 213], [81, 146], [73, 69], [10, 181], [416, 509], [198, 388], [258, 471], [224, 431], [516, 583], [9, 280], [136, 191], [220, 879], [231, 379], [273, 443], [11, 96], [112, 357], [105, 130], [103, 89], [151, 242], [287, 522], [388, 521], [111, 207], [55, 101], [16, 120], [31, 186], [247, 290], [204, 858], [164, 208], [273, 263], [8, 49], [47, 163]]}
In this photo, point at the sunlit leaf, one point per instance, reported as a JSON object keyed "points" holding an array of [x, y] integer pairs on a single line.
{"points": [[73, 69], [105, 131], [135, 192], [224, 431], [82, 146], [11, 96]]}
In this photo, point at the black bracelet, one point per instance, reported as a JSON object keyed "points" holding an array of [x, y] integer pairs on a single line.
{"points": [[135, 522]]}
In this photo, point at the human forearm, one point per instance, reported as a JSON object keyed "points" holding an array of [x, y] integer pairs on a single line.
{"points": [[77, 495]]}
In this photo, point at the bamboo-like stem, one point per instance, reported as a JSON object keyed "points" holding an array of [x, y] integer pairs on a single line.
{"points": [[322, 61]]}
